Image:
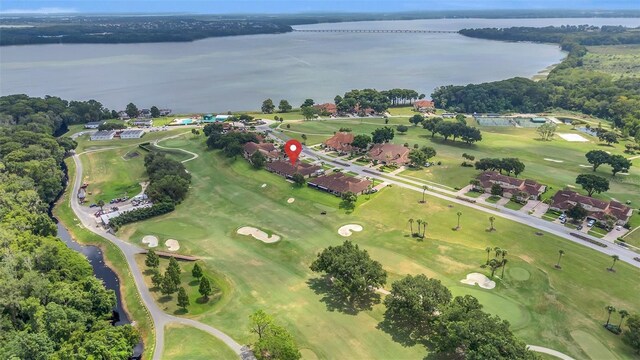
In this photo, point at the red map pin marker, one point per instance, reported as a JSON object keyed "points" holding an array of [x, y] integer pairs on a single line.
{"points": [[293, 149]]}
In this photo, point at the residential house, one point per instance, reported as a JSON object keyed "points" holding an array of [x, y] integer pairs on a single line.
{"points": [[522, 189], [142, 122], [103, 135], [269, 151], [131, 134], [165, 112], [122, 115], [93, 124], [598, 210], [389, 154], [285, 169], [423, 105], [326, 109], [338, 183], [145, 113], [340, 142]]}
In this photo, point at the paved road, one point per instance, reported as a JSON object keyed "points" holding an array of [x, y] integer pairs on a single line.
{"points": [[159, 317], [514, 215], [548, 351]]}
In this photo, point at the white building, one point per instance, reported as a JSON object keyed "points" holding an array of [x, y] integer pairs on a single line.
{"points": [[142, 122], [103, 135], [131, 134], [93, 124]]}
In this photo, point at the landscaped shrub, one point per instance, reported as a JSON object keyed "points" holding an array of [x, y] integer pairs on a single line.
{"points": [[141, 214]]}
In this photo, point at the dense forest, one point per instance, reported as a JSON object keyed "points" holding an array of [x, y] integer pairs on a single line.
{"points": [[568, 86], [134, 29], [51, 305]]}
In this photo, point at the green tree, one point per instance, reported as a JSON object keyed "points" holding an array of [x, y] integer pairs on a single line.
{"points": [[461, 118], [298, 179], [492, 219], [560, 254], [402, 129], [101, 205], [619, 163], [284, 106], [173, 272], [424, 191], [610, 309], [307, 103], [168, 285], [205, 288], [258, 160], [152, 260], [276, 344], [411, 225], [156, 278], [459, 214], [155, 112], [577, 212], [496, 189], [592, 183], [183, 298], [416, 119], [431, 124], [546, 131], [623, 314], [414, 304], [428, 151], [132, 110], [632, 334], [609, 137], [259, 322], [417, 158], [349, 200], [494, 264], [361, 141], [267, 106], [488, 250], [615, 258], [196, 272], [355, 275], [504, 263], [308, 112], [597, 158], [382, 135]]}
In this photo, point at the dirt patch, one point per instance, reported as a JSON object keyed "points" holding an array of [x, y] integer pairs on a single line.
{"points": [[347, 230], [479, 279], [258, 234], [150, 240]]}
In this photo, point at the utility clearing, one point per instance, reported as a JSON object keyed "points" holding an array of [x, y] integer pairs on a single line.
{"points": [[258, 234]]}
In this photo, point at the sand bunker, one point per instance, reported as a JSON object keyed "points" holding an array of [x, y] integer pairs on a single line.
{"points": [[150, 240], [573, 137], [586, 166], [480, 279], [554, 160], [172, 245], [264, 185], [290, 200], [258, 234], [347, 229]]}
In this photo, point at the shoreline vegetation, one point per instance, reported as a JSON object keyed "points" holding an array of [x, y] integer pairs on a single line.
{"points": [[25, 29]]}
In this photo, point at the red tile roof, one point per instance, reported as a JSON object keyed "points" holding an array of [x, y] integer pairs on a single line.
{"points": [[510, 184], [420, 104], [566, 199], [341, 183], [341, 141], [285, 168], [390, 153], [331, 108], [267, 149]]}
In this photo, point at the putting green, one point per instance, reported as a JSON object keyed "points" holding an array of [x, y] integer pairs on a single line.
{"points": [[592, 346], [308, 354], [504, 307], [518, 273]]}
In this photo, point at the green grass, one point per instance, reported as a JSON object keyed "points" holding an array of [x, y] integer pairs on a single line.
{"points": [[493, 199], [115, 259], [473, 194], [220, 287], [188, 343], [513, 205], [633, 238], [620, 61], [501, 142], [227, 194], [113, 173], [85, 144]]}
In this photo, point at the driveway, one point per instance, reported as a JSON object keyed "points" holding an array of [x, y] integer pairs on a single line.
{"points": [[615, 234], [503, 201], [539, 209]]}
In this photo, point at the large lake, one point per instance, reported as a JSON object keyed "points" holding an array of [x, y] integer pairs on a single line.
{"points": [[236, 73]]}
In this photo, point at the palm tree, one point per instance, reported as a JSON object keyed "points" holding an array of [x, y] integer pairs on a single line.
{"points": [[419, 221], [497, 250], [459, 213], [424, 190], [494, 264], [623, 314], [504, 262], [101, 204], [411, 224], [491, 220], [488, 250], [424, 227], [609, 309], [503, 253], [615, 258], [561, 252]]}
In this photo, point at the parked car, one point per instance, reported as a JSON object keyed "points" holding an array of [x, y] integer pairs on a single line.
{"points": [[93, 205], [591, 222], [618, 228], [579, 227]]}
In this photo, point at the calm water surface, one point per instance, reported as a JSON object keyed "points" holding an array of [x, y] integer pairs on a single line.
{"points": [[234, 73]]}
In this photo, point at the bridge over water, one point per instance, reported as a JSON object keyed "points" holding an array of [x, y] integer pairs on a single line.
{"points": [[376, 31]]}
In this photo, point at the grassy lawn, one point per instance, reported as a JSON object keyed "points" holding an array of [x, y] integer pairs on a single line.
{"points": [[493, 199], [522, 143], [633, 238], [116, 261], [114, 173], [199, 305], [513, 205], [85, 144], [619, 61], [473, 194], [543, 308], [183, 342]]}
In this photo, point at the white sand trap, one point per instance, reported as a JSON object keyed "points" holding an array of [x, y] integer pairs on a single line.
{"points": [[571, 186], [573, 137], [586, 166], [554, 160], [480, 279], [347, 229], [258, 234], [290, 200], [172, 245], [150, 240], [264, 185]]}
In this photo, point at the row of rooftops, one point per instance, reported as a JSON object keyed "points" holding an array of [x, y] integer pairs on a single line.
{"points": [[384, 153]]}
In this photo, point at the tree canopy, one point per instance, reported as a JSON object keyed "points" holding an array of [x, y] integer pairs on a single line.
{"points": [[592, 183]]}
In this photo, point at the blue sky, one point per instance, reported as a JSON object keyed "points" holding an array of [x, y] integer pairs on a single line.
{"points": [[294, 6]]}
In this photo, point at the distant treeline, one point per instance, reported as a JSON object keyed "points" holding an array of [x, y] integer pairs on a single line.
{"points": [[568, 86], [132, 30]]}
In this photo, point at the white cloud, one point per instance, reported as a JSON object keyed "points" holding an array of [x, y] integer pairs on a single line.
{"points": [[43, 10]]}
